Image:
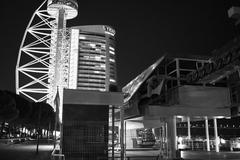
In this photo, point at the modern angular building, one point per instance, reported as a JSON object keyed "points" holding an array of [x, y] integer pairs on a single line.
{"points": [[185, 90], [92, 58]]}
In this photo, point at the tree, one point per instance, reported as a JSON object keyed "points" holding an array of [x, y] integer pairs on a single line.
{"points": [[24, 107], [8, 110]]}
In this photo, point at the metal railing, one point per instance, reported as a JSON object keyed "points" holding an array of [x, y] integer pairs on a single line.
{"points": [[136, 158], [56, 155]]}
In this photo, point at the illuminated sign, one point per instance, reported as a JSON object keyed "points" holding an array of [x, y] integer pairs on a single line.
{"points": [[109, 30]]}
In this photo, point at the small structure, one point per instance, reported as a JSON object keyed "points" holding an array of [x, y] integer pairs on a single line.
{"points": [[85, 130]]}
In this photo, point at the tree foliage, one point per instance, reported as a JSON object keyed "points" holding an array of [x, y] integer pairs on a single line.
{"points": [[8, 110], [16, 109]]}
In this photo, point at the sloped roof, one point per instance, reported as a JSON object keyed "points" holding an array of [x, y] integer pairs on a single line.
{"points": [[130, 89]]}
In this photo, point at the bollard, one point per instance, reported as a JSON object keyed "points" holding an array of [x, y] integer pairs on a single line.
{"points": [[178, 155]]}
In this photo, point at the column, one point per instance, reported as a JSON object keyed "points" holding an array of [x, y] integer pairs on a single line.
{"points": [[189, 127], [178, 72], [113, 125], [207, 133], [122, 154], [172, 136], [216, 134]]}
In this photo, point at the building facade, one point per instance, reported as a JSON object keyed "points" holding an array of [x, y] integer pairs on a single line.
{"points": [[92, 58]]}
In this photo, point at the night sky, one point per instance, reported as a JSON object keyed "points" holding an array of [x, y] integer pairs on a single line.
{"points": [[144, 30]]}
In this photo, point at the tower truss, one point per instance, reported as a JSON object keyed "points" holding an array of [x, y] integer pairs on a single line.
{"points": [[43, 58], [34, 57]]}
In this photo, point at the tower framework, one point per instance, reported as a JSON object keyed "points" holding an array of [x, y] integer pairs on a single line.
{"points": [[42, 63]]}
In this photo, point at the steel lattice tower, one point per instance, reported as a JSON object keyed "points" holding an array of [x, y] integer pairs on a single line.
{"points": [[42, 64]]}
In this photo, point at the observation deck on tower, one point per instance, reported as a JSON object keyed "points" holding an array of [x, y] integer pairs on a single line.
{"points": [[70, 7]]}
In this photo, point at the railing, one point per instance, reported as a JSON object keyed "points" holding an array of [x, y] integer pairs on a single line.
{"points": [[56, 155], [197, 145], [136, 158]]}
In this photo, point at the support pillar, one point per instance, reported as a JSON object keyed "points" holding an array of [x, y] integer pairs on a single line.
{"points": [[125, 137], [113, 125], [163, 154], [207, 133], [216, 135], [189, 127], [122, 133], [172, 136]]}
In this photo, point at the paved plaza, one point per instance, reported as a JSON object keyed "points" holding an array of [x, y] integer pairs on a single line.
{"points": [[186, 155], [26, 151]]}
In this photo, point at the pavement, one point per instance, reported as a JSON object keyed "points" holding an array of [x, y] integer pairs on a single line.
{"points": [[25, 151], [148, 154]]}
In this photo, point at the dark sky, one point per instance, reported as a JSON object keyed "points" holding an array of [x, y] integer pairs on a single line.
{"points": [[144, 30]]}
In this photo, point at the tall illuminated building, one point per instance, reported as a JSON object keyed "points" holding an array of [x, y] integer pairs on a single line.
{"points": [[53, 56], [92, 58]]}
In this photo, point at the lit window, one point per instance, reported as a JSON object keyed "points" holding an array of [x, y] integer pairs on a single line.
{"points": [[112, 60], [102, 65], [112, 52], [92, 45], [111, 48], [113, 80], [82, 37]]}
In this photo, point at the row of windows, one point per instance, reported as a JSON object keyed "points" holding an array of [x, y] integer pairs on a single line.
{"points": [[95, 68], [92, 72], [91, 81], [91, 50], [90, 61], [95, 35], [90, 78], [88, 34], [93, 44], [92, 54], [92, 64], [92, 88], [96, 40], [84, 84], [92, 69], [87, 65]]}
